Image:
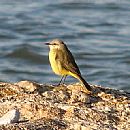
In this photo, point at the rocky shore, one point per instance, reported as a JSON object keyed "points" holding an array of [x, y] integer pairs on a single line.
{"points": [[66, 107]]}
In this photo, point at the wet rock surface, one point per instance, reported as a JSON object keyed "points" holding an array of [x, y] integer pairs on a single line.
{"points": [[65, 107]]}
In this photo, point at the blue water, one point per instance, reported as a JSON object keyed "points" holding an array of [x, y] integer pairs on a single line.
{"points": [[96, 31]]}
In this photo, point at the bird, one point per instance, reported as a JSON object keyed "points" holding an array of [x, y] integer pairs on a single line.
{"points": [[63, 63]]}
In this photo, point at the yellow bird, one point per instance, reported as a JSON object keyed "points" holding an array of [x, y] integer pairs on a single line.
{"points": [[63, 63]]}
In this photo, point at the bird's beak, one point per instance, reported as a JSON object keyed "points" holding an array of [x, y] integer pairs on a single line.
{"points": [[47, 43]]}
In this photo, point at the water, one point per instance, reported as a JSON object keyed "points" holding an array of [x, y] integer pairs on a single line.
{"points": [[96, 31]]}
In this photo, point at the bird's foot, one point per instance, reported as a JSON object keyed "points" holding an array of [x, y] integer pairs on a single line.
{"points": [[60, 87], [61, 84]]}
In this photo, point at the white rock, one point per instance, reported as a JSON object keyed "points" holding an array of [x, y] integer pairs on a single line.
{"points": [[10, 117]]}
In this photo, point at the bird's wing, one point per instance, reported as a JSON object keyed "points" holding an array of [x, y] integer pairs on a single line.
{"points": [[67, 61]]}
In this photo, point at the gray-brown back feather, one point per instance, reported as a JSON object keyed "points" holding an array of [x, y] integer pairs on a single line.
{"points": [[67, 60]]}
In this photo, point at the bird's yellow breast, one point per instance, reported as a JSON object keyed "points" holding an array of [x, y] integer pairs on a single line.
{"points": [[56, 65]]}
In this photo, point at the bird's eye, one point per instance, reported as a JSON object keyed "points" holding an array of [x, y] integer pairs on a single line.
{"points": [[54, 43]]}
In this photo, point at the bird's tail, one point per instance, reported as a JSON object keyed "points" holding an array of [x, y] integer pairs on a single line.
{"points": [[85, 83]]}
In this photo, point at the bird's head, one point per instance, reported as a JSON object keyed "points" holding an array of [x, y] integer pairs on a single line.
{"points": [[56, 44]]}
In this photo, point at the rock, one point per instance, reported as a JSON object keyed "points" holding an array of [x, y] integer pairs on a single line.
{"points": [[28, 85], [62, 108], [10, 117]]}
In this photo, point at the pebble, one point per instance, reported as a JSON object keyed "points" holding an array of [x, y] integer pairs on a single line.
{"points": [[10, 117]]}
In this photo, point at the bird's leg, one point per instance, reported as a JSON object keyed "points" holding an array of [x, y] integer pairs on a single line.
{"points": [[61, 80], [61, 85], [64, 79]]}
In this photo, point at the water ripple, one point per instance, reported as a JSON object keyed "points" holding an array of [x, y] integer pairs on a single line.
{"points": [[25, 52]]}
